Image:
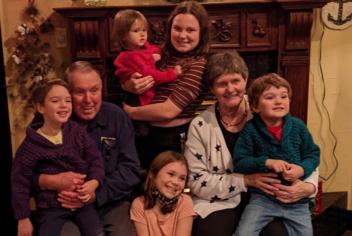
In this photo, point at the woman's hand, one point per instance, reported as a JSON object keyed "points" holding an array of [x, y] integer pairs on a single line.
{"points": [[295, 192], [264, 181], [138, 84]]}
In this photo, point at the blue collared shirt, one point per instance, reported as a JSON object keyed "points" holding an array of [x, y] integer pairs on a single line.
{"points": [[113, 132]]}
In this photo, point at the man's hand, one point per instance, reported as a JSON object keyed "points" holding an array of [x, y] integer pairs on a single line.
{"points": [[63, 181], [70, 200], [138, 84]]}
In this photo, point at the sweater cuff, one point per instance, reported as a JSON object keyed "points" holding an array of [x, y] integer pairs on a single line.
{"points": [[22, 214], [242, 184]]}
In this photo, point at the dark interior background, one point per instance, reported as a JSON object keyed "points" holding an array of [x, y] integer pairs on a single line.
{"points": [[8, 224]]}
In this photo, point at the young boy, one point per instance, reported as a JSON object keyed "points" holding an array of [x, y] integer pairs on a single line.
{"points": [[274, 141]]}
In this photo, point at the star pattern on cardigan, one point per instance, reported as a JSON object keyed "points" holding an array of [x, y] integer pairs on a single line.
{"points": [[232, 188], [217, 147], [200, 123], [215, 168], [203, 184], [198, 156], [197, 176], [214, 199], [228, 171]]}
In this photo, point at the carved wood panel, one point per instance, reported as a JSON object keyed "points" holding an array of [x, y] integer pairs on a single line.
{"points": [[225, 30], [261, 29], [86, 39], [298, 30], [274, 36]]}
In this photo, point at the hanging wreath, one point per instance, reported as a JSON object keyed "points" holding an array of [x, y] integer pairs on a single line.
{"points": [[30, 60]]}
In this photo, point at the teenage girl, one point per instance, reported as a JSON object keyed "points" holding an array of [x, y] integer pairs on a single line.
{"points": [[175, 103]]}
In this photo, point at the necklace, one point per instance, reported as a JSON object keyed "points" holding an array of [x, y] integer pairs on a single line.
{"points": [[233, 124], [229, 124]]}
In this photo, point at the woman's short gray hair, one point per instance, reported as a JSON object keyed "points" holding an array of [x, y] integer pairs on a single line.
{"points": [[224, 63]]}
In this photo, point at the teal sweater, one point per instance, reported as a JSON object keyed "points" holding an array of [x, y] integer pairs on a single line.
{"points": [[255, 145]]}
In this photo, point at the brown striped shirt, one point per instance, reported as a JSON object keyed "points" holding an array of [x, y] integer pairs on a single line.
{"points": [[185, 90]]}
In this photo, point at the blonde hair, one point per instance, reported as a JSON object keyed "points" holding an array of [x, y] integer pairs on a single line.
{"points": [[123, 22]]}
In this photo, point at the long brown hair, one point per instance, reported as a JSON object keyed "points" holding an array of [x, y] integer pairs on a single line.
{"points": [[198, 11], [158, 163]]}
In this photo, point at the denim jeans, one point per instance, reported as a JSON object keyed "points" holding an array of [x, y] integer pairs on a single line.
{"points": [[261, 210]]}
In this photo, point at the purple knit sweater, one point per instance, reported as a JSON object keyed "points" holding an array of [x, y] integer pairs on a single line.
{"points": [[36, 154]]}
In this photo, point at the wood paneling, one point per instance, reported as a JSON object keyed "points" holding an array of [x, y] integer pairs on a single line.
{"points": [[273, 36]]}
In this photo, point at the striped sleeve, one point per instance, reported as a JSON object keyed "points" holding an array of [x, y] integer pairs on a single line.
{"points": [[189, 85]]}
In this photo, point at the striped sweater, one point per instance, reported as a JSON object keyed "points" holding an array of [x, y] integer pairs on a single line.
{"points": [[184, 91]]}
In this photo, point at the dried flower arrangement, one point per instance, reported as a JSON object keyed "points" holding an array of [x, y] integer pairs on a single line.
{"points": [[30, 60]]}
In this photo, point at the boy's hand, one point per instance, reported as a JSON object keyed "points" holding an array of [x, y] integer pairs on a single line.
{"points": [[293, 172], [156, 57], [277, 165], [178, 70], [24, 227], [87, 190]]}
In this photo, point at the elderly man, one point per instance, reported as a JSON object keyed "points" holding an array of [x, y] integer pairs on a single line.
{"points": [[113, 132]]}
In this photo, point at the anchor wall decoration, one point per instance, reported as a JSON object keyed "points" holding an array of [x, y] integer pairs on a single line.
{"points": [[337, 15]]}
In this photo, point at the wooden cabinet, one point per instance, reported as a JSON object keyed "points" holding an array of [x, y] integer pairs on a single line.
{"points": [[272, 36]]}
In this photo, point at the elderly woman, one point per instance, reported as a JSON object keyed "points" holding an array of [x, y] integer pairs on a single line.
{"points": [[215, 189]]}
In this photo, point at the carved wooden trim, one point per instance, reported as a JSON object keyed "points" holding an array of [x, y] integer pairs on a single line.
{"points": [[222, 31], [86, 34], [225, 30], [298, 30], [157, 31], [277, 30]]}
